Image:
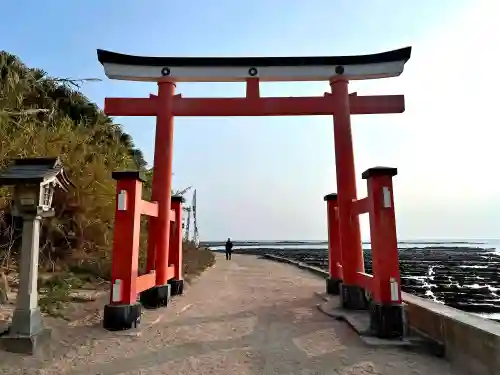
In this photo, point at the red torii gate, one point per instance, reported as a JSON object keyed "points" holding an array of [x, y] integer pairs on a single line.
{"points": [[337, 70]]}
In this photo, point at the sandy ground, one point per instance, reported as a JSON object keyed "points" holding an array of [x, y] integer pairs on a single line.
{"points": [[244, 316]]}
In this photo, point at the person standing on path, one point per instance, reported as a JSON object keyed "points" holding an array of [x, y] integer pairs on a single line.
{"points": [[229, 249]]}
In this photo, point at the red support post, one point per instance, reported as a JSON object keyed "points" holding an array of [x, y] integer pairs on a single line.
{"points": [[352, 296], [159, 231], [252, 88], [334, 250], [175, 257], [123, 311], [151, 250], [159, 227], [386, 310]]}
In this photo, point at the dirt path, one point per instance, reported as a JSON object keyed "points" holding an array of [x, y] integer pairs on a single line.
{"points": [[245, 316]]}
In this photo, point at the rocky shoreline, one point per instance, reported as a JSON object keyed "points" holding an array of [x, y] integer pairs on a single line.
{"points": [[467, 278]]}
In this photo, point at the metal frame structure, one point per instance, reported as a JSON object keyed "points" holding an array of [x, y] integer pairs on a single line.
{"points": [[192, 213]]}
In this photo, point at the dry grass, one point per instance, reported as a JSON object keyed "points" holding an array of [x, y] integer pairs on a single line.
{"points": [[196, 260], [59, 290]]}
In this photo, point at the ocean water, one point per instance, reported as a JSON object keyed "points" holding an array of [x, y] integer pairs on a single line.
{"points": [[490, 244]]}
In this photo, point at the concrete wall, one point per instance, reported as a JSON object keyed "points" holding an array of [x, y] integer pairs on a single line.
{"points": [[469, 342]]}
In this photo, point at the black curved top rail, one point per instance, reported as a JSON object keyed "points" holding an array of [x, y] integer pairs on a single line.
{"points": [[109, 57]]}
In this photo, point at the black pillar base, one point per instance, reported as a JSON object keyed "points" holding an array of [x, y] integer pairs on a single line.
{"points": [[176, 287], [353, 297], [386, 321], [333, 286], [121, 317], [155, 297]]}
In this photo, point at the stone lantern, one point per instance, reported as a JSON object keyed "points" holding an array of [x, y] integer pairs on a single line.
{"points": [[34, 181]]}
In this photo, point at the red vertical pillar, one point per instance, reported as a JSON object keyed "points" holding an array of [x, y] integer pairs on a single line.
{"points": [[123, 311], [334, 255], [175, 257], [386, 311], [159, 231], [159, 227], [352, 296]]}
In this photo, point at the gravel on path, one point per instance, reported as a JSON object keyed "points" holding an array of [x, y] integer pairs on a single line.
{"points": [[243, 316]]}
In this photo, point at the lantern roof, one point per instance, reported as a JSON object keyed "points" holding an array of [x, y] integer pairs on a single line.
{"points": [[35, 171]]}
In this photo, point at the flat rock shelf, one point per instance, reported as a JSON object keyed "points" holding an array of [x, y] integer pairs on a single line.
{"points": [[467, 278]]}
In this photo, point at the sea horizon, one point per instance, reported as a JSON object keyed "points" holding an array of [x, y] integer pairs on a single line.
{"points": [[415, 240], [488, 244]]}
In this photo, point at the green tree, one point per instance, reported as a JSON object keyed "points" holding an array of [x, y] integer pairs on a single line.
{"points": [[44, 116]]}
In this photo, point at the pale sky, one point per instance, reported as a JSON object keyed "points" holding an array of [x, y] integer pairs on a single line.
{"points": [[265, 178]]}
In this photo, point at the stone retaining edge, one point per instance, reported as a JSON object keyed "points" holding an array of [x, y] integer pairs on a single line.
{"points": [[316, 270]]}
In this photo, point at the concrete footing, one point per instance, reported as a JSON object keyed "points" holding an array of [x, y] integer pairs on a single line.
{"points": [[121, 317], [353, 297], [386, 321], [26, 322], [176, 287], [155, 297], [26, 344], [26, 334], [333, 286], [360, 322]]}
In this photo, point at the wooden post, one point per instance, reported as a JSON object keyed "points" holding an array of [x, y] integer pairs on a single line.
{"points": [[386, 311], [334, 250], [123, 311], [175, 257]]}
